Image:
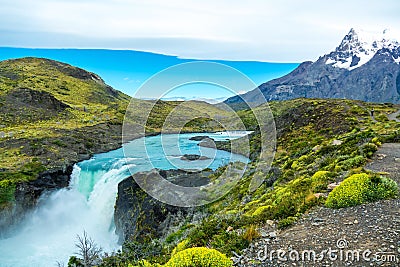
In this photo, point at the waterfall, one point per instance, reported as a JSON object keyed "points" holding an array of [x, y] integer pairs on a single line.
{"points": [[48, 234]]}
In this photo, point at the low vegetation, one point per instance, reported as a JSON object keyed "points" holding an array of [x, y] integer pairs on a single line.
{"points": [[198, 256], [361, 188]]}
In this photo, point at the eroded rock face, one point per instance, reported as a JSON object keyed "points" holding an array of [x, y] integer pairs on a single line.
{"points": [[26, 104], [138, 216], [27, 195], [36, 99]]}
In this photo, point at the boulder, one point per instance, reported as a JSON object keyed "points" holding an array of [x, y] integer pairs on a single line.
{"points": [[192, 157], [199, 138]]}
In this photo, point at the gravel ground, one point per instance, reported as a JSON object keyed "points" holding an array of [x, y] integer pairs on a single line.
{"points": [[387, 159], [373, 227], [372, 230]]}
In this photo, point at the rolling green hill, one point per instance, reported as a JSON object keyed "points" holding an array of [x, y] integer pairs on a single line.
{"points": [[51, 112]]}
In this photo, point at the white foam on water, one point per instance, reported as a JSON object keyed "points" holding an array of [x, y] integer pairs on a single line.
{"points": [[49, 234]]}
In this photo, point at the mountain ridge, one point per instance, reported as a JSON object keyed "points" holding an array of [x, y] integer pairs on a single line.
{"points": [[375, 80], [358, 47]]}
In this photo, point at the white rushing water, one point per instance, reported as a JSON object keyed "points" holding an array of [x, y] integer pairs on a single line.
{"points": [[48, 235]]}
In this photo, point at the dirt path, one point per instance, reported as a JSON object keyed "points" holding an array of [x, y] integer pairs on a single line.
{"points": [[370, 228], [393, 116], [387, 159]]}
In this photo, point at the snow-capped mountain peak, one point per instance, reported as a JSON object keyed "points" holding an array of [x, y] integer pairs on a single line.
{"points": [[358, 47]]}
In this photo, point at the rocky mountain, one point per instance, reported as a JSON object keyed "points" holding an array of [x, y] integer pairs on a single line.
{"points": [[363, 67]]}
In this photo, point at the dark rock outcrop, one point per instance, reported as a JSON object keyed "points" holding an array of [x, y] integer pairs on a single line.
{"points": [[192, 157], [207, 142], [26, 104], [199, 137], [27, 195], [37, 99], [138, 216]]}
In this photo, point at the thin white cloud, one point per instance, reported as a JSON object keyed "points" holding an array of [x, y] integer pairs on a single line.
{"points": [[208, 29]]}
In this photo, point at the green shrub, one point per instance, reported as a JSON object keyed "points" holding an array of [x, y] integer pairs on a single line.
{"points": [[7, 190], [213, 232], [33, 168], [351, 163], [174, 236], [376, 141], [74, 262], [369, 149], [287, 204], [320, 180], [59, 143], [264, 211], [381, 188], [356, 109], [135, 250], [180, 246], [361, 188], [251, 233], [144, 263], [284, 223], [199, 257], [382, 118]]}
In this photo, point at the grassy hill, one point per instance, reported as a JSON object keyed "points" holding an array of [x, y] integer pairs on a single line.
{"points": [[52, 114], [187, 116], [75, 87]]}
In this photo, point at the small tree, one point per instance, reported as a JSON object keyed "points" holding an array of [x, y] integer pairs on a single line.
{"points": [[88, 251]]}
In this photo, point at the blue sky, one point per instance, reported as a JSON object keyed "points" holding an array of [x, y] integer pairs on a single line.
{"points": [[260, 30], [128, 70]]}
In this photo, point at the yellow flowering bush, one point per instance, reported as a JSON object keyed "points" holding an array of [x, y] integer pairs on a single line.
{"points": [[319, 181], [181, 246], [199, 257], [361, 188], [264, 211]]}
